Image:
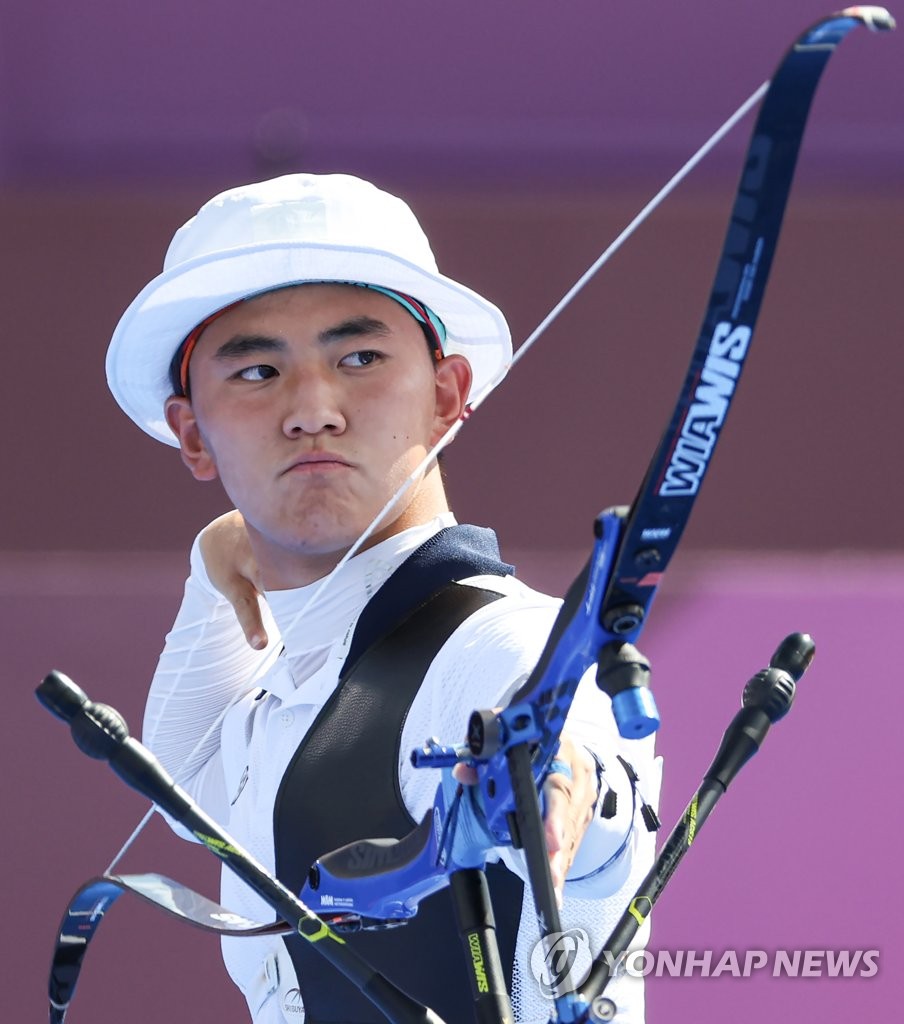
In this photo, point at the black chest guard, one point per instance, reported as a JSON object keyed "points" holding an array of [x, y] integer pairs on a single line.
{"points": [[342, 784]]}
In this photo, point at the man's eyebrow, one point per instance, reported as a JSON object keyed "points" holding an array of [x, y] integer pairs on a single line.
{"points": [[245, 344], [353, 327]]}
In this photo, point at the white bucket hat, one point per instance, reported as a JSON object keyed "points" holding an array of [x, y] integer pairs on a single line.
{"points": [[293, 229]]}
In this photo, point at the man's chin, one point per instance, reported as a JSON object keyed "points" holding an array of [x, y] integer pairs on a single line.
{"points": [[298, 558]]}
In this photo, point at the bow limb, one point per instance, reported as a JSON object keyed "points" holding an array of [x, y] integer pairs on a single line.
{"points": [[95, 897]]}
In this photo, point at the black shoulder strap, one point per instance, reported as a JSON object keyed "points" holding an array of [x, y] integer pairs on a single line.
{"points": [[454, 553]]}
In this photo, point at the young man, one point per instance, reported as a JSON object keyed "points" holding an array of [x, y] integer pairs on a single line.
{"points": [[301, 347]]}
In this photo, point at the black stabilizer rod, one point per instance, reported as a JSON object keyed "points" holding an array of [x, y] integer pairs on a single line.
{"points": [[101, 732], [477, 929], [767, 697]]}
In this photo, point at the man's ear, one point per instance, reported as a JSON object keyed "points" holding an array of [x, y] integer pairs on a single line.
{"points": [[195, 454], [453, 384]]}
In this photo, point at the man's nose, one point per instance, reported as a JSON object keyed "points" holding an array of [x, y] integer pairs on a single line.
{"points": [[313, 407]]}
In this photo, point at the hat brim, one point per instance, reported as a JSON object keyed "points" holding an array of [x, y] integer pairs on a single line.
{"points": [[155, 324]]}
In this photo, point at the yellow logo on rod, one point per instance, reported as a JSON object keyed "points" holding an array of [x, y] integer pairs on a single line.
{"points": [[323, 932], [216, 846], [477, 960], [691, 819], [634, 909]]}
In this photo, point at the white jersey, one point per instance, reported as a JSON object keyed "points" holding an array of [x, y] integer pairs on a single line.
{"points": [[229, 746]]}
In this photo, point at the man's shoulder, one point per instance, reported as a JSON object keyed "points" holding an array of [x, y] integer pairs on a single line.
{"points": [[514, 590], [488, 655], [519, 620]]}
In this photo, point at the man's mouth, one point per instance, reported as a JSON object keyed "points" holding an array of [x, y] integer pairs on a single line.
{"points": [[318, 462]]}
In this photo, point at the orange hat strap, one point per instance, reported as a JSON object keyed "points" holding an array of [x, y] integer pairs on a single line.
{"points": [[188, 346]]}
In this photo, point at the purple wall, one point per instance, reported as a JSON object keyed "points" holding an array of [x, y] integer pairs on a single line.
{"points": [[471, 92], [525, 142]]}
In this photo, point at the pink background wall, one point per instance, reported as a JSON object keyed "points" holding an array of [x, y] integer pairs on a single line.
{"points": [[525, 144]]}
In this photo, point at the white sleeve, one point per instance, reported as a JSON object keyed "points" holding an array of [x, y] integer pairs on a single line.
{"points": [[206, 665]]}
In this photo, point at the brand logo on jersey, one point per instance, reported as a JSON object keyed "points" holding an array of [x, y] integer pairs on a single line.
{"points": [[706, 414], [292, 1001]]}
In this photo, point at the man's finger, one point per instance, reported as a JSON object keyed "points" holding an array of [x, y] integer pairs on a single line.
{"points": [[570, 794], [465, 774], [232, 569], [244, 600], [559, 830]]}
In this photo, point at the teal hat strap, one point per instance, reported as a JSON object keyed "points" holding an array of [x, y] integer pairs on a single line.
{"points": [[434, 328]]}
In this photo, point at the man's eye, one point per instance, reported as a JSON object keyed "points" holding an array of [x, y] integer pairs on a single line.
{"points": [[256, 373], [364, 358]]}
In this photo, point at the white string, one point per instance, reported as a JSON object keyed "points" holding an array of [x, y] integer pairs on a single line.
{"points": [[139, 828], [452, 432], [665, 191]]}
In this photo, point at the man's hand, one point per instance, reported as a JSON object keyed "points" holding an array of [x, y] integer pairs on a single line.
{"points": [[570, 803], [570, 795], [234, 572]]}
